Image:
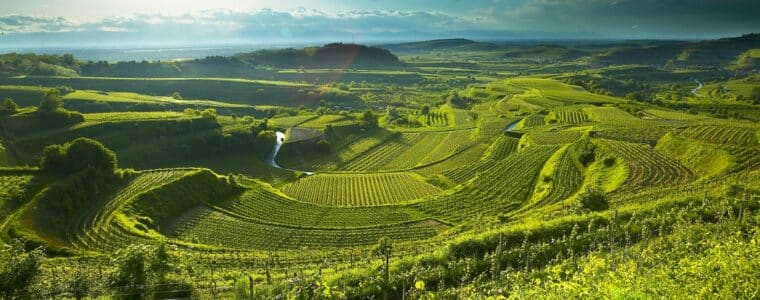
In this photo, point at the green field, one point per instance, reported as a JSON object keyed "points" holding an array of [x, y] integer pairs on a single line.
{"points": [[495, 171]]}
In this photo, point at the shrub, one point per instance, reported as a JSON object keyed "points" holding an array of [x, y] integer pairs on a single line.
{"points": [[586, 153], [208, 113], [592, 200], [19, 270], [8, 107], [77, 155], [51, 102]]}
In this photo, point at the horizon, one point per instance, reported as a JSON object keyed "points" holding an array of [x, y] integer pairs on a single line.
{"points": [[88, 24]]}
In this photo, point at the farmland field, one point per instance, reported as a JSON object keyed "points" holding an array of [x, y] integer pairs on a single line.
{"points": [[443, 169]]}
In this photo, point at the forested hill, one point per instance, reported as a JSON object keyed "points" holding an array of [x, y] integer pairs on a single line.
{"points": [[336, 55], [332, 56], [426, 46]]}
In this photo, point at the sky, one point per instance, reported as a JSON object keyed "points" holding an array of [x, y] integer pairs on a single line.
{"points": [[89, 23]]}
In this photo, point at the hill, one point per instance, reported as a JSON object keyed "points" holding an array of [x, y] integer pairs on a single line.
{"points": [[428, 46], [335, 55]]}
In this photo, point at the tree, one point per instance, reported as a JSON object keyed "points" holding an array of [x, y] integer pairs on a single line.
{"points": [[385, 249], [425, 110], [329, 131], [130, 278], [368, 120], [8, 107], [79, 284], [78, 155], [265, 141], [51, 102], [19, 270], [755, 94], [633, 96]]}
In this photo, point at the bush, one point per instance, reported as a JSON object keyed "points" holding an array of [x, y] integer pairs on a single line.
{"points": [[19, 270], [586, 153], [78, 155], [8, 107], [51, 102], [592, 200]]}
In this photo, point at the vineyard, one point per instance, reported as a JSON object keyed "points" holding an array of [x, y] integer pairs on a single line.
{"points": [[446, 169], [646, 167], [359, 190]]}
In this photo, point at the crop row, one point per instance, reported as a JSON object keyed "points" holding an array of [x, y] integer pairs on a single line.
{"points": [[503, 145], [533, 120], [746, 157], [453, 141], [359, 189], [291, 121], [571, 116], [465, 157], [133, 116], [566, 179], [414, 154], [721, 135], [554, 137], [211, 227], [270, 207], [501, 187], [648, 168], [379, 156], [87, 231]]}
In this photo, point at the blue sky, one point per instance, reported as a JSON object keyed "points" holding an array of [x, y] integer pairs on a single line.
{"points": [[87, 22]]}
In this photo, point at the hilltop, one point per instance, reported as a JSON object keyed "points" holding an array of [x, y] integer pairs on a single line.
{"points": [[335, 55], [426, 46]]}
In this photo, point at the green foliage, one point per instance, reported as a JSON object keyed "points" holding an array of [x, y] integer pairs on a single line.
{"points": [[141, 272], [265, 141], [8, 107], [368, 120], [19, 270], [80, 284], [51, 102], [586, 153], [592, 199], [160, 206], [78, 155]]}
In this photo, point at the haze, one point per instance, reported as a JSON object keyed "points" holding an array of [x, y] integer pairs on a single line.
{"points": [[87, 23]]}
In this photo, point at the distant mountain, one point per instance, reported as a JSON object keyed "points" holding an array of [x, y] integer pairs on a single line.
{"points": [[433, 45], [708, 53], [544, 52], [335, 55]]}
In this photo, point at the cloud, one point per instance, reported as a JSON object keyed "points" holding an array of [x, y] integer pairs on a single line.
{"points": [[20, 23], [249, 22], [666, 18], [480, 19]]}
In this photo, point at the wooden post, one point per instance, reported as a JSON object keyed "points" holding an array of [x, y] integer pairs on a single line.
{"points": [[250, 286]]}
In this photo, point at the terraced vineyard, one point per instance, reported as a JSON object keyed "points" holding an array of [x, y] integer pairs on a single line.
{"points": [[446, 169], [722, 135], [502, 147], [648, 168], [565, 181], [215, 228], [572, 116], [359, 190]]}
